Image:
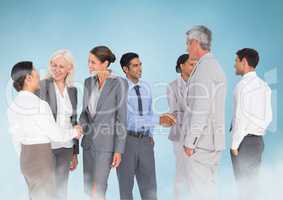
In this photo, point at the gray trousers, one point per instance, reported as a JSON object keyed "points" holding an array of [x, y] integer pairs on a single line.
{"points": [[201, 170], [180, 176], [96, 168], [246, 166], [62, 160], [38, 169], [138, 161]]}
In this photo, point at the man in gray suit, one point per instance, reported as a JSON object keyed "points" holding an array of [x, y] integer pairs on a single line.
{"points": [[138, 159], [204, 121]]}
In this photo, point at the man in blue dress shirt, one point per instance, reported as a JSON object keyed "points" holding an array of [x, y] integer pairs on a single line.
{"points": [[138, 159]]}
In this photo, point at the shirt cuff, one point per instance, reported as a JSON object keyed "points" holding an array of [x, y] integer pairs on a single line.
{"points": [[155, 119], [236, 141]]}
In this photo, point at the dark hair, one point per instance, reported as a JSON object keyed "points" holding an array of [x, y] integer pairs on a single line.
{"points": [[103, 54], [181, 60], [19, 73], [126, 59], [251, 56]]}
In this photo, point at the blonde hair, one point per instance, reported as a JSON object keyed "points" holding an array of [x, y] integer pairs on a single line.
{"points": [[67, 55]]}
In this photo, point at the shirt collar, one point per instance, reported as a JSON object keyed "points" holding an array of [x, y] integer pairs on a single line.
{"points": [[207, 55], [181, 82], [132, 84], [58, 91], [26, 93], [249, 74]]}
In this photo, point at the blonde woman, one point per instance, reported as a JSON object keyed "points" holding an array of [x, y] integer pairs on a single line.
{"points": [[58, 90]]}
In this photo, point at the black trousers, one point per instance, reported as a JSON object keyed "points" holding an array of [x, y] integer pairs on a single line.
{"points": [[246, 166]]}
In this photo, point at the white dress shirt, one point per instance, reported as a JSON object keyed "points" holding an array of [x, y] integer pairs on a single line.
{"points": [[31, 122], [252, 108], [63, 119], [94, 97]]}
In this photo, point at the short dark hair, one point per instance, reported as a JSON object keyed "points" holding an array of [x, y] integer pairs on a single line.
{"points": [[19, 73], [181, 60], [251, 55], [126, 59], [103, 53]]}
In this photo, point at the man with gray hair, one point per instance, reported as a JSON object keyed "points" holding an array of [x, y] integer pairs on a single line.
{"points": [[204, 124]]}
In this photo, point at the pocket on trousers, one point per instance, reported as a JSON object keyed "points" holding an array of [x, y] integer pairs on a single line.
{"points": [[86, 143]]}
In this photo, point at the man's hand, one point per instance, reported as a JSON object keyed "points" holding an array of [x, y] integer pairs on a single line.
{"points": [[188, 151], [79, 131], [117, 158], [235, 152], [74, 162], [152, 141], [167, 120]]}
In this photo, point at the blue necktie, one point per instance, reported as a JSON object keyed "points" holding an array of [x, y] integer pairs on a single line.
{"points": [[137, 89]]}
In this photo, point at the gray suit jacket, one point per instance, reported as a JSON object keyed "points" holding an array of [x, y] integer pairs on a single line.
{"points": [[47, 93], [177, 106], [204, 120], [106, 131]]}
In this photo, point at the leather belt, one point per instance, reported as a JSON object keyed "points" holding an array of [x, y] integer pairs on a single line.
{"points": [[139, 134]]}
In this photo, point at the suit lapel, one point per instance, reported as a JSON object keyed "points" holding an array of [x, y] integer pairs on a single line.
{"points": [[52, 98], [104, 93], [72, 97]]}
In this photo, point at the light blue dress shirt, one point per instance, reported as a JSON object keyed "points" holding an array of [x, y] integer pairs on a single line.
{"points": [[137, 122]]}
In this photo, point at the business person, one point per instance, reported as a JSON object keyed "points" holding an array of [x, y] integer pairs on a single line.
{"points": [[58, 91], [252, 115], [33, 127], [177, 96], [204, 121], [104, 119], [138, 159]]}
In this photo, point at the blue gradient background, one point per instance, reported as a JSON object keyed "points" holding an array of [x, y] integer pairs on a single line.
{"points": [[33, 30]]}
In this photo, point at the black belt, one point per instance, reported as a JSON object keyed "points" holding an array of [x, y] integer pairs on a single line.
{"points": [[139, 134], [251, 135]]}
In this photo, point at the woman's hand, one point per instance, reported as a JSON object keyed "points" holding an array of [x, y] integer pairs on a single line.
{"points": [[117, 158], [74, 162]]}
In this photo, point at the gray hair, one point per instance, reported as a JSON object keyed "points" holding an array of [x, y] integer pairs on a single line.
{"points": [[202, 34], [67, 55]]}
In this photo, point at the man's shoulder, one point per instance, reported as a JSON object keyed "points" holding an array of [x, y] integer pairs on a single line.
{"points": [[118, 80], [263, 83], [145, 85]]}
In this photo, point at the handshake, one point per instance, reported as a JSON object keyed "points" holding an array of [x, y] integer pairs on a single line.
{"points": [[167, 120], [78, 131]]}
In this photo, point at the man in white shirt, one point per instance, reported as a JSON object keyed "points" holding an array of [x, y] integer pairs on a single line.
{"points": [[252, 115]]}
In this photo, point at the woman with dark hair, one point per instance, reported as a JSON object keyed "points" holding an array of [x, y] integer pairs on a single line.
{"points": [[103, 118], [33, 128], [176, 95]]}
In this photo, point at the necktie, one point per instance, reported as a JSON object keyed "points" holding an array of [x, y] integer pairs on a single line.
{"points": [[137, 89]]}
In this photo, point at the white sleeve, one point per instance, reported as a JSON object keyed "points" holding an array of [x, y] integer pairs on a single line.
{"points": [[237, 123], [16, 141], [47, 124], [172, 100], [14, 130], [268, 108]]}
